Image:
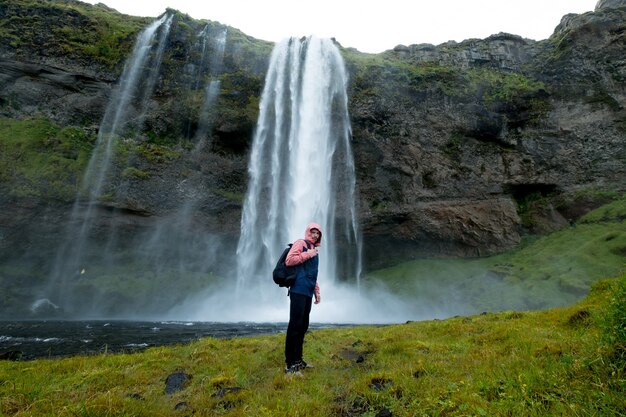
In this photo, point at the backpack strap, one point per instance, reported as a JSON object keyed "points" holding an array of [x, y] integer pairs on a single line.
{"points": [[306, 242]]}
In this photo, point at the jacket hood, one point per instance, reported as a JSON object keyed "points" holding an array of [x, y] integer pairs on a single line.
{"points": [[307, 234]]}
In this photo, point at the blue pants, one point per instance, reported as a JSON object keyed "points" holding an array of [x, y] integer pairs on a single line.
{"points": [[298, 325]]}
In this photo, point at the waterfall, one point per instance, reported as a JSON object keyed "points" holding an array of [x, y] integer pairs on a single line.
{"points": [[137, 80], [301, 168], [173, 247], [212, 88], [116, 113]]}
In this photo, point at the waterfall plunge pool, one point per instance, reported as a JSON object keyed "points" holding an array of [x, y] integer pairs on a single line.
{"points": [[39, 339]]}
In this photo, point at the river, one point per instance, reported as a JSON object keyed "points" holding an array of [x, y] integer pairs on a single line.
{"points": [[56, 339]]}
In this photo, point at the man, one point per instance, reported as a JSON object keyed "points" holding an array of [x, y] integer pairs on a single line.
{"points": [[303, 254]]}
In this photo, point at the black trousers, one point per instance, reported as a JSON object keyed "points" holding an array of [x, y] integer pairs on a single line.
{"points": [[298, 325]]}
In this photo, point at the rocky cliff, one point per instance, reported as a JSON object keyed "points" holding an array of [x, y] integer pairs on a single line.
{"points": [[460, 148], [479, 141]]}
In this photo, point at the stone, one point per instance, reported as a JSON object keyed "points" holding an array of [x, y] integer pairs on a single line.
{"points": [[11, 355], [176, 382], [610, 4]]}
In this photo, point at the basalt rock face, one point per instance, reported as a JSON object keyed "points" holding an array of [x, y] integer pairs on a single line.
{"points": [[447, 165], [450, 141]]}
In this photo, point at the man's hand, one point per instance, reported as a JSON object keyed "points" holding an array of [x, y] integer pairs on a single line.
{"points": [[318, 297]]}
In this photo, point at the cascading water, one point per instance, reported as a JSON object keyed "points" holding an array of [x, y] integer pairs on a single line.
{"points": [[173, 247], [75, 249], [116, 114], [301, 167], [212, 88]]}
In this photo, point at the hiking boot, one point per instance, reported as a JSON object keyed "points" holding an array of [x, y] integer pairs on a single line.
{"points": [[293, 370], [303, 365]]}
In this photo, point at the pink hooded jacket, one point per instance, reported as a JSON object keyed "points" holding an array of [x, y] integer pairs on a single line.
{"points": [[296, 255]]}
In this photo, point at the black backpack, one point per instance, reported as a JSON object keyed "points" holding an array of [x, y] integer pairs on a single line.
{"points": [[285, 276]]}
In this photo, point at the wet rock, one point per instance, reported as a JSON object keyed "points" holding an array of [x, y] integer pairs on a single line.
{"points": [[182, 405], [11, 355], [610, 4], [385, 412], [176, 382], [378, 384]]}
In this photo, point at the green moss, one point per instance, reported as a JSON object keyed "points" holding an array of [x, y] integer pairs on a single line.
{"points": [[134, 172], [246, 52], [70, 28], [38, 158], [232, 104], [375, 74], [530, 204], [603, 99], [454, 148], [229, 195], [379, 206], [157, 153], [499, 86]]}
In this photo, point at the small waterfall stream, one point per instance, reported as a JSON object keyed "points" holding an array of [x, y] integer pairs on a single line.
{"points": [[74, 250], [212, 87], [172, 247]]}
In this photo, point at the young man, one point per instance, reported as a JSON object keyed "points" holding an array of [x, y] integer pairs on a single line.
{"points": [[303, 254]]}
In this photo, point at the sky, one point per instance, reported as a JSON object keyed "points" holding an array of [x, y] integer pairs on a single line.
{"points": [[372, 26]]}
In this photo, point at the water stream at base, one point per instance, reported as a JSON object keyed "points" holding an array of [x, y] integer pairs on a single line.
{"points": [[55, 339]]}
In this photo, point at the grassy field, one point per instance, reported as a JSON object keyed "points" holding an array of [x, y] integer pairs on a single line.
{"points": [[559, 362]]}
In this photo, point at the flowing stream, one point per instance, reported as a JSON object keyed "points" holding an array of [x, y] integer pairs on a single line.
{"points": [[54, 339]]}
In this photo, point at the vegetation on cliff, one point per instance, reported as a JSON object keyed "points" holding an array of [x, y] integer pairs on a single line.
{"points": [[68, 28], [568, 361], [41, 159]]}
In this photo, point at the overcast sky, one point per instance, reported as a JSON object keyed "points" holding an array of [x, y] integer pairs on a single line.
{"points": [[372, 25]]}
